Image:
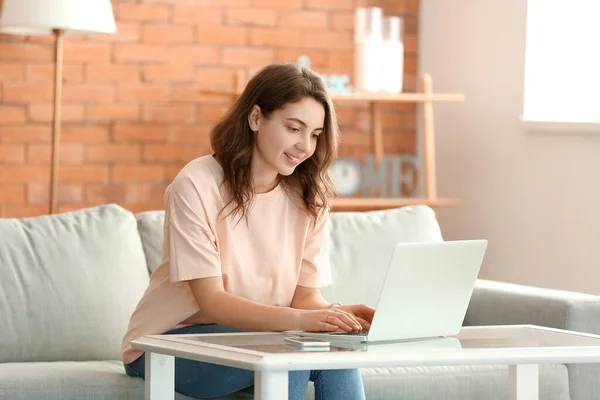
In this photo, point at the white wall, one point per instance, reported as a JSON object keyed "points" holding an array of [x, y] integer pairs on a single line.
{"points": [[534, 195]]}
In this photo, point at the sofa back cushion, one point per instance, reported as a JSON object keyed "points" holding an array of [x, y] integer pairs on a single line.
{"points": [[361, 245], [150, 227], [68, 284]]}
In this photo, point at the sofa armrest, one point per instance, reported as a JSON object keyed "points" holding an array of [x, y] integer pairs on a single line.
{"points": [[498, 303]]}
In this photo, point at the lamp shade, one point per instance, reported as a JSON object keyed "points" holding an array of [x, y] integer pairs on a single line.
{"points": [[40, 17]]}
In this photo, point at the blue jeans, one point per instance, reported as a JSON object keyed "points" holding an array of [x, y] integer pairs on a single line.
{"points": [[206, 381]]}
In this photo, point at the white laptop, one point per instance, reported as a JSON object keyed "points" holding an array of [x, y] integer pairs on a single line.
{"points": [[425, 294]]}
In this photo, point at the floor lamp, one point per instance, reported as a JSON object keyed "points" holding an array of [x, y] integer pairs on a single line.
{"points": [[59, 18]]}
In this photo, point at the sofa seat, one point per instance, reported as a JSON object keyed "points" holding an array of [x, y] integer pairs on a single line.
{"points": [[489, 382], [106, 380]]}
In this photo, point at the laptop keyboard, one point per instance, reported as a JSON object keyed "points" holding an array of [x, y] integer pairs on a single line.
{"points": [[358, 333]]}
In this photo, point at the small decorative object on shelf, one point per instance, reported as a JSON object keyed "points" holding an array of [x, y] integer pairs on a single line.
{"points": [[334, 83], [397, 177]]}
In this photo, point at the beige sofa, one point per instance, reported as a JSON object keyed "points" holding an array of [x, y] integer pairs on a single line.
{"points": [[69, 282]]}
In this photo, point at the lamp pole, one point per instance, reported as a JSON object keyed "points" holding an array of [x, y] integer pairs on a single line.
{"points": [[56, 117]]}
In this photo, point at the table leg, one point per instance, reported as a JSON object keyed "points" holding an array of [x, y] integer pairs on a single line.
{"points": [[270, 385], [160, 377], [524, 382]]}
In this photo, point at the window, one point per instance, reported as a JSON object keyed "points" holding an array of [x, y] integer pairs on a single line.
{"points": [[562, 61]]}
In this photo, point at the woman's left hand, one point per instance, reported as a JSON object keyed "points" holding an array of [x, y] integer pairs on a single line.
{"points": [[363, 313]]}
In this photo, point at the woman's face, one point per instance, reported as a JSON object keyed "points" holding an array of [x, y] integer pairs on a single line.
{"points": [[287, 138]]}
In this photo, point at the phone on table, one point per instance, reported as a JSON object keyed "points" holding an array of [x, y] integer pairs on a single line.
{"points": [[306, 342]]}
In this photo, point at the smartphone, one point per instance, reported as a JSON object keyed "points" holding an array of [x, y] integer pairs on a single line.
{"points": [[306, 342]]}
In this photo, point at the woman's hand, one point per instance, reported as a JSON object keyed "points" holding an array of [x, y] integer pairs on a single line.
{"points": [[362, 313], [328, 320]]}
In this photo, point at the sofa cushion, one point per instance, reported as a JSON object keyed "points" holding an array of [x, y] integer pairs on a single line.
{"points": [[150, 228], [489, 382], [83, 380], [69, 283], [362, 243]]}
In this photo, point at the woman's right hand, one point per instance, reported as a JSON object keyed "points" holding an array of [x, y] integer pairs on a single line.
{"points": [[328, 320]]}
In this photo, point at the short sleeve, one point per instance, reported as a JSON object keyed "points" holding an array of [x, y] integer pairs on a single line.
{"points": [[193, 251], [315, 270]]}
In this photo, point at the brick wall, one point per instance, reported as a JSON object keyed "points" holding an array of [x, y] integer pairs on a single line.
{"points": [[132, 115]]}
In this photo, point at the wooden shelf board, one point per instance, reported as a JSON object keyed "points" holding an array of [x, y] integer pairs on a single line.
{"points": [[367, 204]]}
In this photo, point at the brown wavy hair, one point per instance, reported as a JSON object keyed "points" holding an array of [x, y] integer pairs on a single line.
{"points": [[233, 141]]}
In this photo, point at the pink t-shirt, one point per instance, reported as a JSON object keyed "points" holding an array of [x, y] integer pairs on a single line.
{"points": [[262, 260]]}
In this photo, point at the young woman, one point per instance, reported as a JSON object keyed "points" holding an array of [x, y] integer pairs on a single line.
{"points": [[245, 245]]}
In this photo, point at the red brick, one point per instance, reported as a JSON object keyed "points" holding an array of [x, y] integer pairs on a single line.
{"points": [[152, 190], [168, 113], [173, 72], [328, 40], [143, 12], [25, 52], [279, 4], [343, 20], [318, 58], [275, 37], [25, 93], [90, 134], [195, 134], [127, 32], [212, 76], [197, 54], [167, 34], [126, 52], [113, 113], [341, 63], [84, 173], [411, 44], [413, 7], [43, 112], [13, 193], [211, 113], [222, 35], [25, 134], [12, 71], [139, 133], [23, 211], [113, 152], [89, 94], [137, 173], [44, 73], [69, 153], [12, 115], [304, 19], [252, 17], [186, 93], [87, 52], [102, 194], [197, 16], [411, 63], [12, 154], [39, 193], [19, 173], [330, 4], [143, 92], [111, 73], [172, 171], [169, 153], [234, 3], [247, 56]]}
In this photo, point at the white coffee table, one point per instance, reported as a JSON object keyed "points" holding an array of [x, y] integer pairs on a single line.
{"points": [[522, 347]]}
